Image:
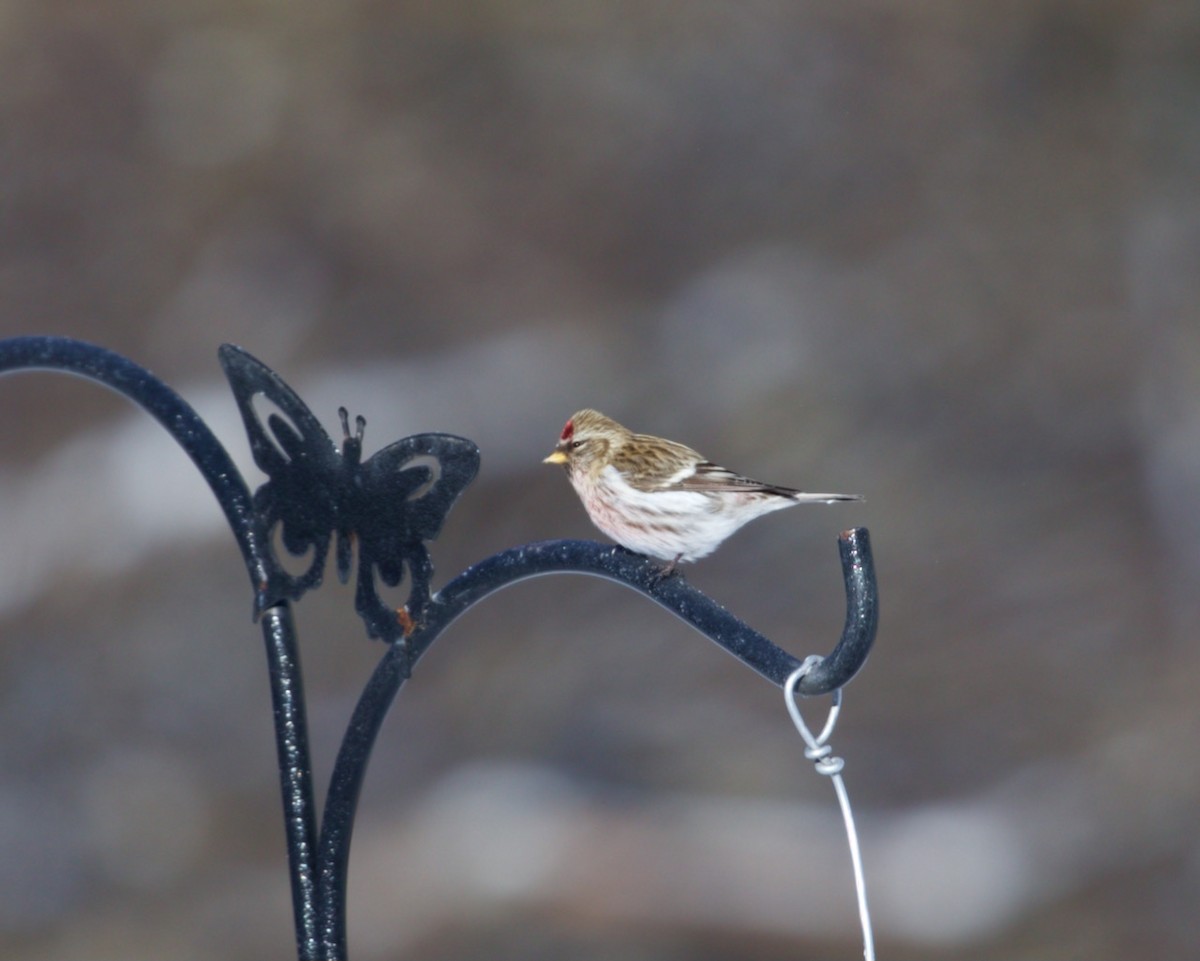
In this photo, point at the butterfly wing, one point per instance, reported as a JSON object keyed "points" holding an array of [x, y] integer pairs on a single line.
{"points": [[304, 469], [406, 491]]}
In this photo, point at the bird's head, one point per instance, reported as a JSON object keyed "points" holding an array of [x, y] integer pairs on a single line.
{"points": [[587, 442]]}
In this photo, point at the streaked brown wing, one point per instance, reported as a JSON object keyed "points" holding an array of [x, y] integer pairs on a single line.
{"points": [[647, 462]]}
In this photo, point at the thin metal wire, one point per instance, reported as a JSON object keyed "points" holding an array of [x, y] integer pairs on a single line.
{"points": [[819, 751]]}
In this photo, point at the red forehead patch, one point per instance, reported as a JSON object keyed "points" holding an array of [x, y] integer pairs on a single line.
{"points": [[568, 431]]}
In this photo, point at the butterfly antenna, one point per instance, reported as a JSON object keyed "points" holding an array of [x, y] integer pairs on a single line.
{"points": [[360, 424]]}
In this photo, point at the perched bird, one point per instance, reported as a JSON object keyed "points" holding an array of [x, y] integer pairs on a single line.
{"points": [[658, 497]]}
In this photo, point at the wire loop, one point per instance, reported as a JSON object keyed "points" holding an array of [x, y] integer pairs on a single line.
{"points": [[818, 750]]}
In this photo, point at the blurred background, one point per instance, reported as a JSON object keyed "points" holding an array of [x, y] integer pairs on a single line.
{"points": [[944, 255]]}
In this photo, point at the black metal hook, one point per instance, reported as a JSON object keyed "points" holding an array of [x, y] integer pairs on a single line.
{"points": [[680, 598], [390, 505], [582, 557]]}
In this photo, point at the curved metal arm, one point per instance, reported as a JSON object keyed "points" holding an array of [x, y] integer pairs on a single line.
{"points": [[169, 409], [677, 596], [579, 557], [390, 504]]}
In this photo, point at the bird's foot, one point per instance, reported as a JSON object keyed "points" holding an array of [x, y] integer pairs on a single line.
{"points": [[667, 570]]}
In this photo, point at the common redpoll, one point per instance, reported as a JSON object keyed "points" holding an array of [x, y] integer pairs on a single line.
{"points": [[658, 497]]}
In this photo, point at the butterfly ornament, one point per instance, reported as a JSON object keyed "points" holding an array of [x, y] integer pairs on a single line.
{"points": [[389, 505]]}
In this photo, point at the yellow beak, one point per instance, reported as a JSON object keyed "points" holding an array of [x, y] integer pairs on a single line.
{"points": [[557, 457]]}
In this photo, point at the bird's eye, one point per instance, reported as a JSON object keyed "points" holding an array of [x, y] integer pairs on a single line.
{"points": [[576, 444]]}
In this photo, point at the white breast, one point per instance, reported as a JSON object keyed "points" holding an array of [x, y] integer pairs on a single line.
{"points": [[668, 524]]}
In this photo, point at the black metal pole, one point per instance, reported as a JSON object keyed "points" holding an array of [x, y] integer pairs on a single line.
{"points": [[295, 772]]}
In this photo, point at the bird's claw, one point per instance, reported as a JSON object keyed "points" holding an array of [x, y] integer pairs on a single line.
{"points": [[661, 574]]}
